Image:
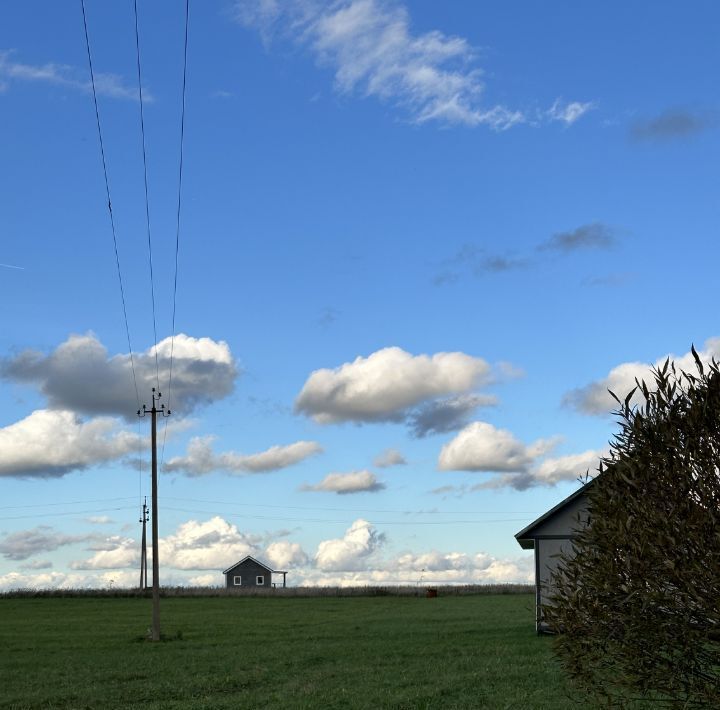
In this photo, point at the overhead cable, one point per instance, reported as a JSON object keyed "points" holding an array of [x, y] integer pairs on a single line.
{"points": [[109, 202], [147, 198], [179, 211]]}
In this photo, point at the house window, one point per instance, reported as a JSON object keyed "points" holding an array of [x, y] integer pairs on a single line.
{"points": [[237, 581], [260, 580]]}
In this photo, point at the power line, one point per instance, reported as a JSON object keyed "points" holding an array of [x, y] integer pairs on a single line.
{"points": [[179, 205], [70, 512], [66, 502], [109, 203], [147, 199], [343, 522], [357, 510]]}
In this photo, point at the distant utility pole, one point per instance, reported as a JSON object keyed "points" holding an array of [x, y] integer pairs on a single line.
{"points": [[156, 571], [143, 548]]}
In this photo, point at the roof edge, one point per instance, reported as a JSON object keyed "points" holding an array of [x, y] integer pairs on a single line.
{"points": [[523, 534]]}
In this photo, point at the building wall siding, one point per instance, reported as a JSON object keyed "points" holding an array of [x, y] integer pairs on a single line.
{"points": [[564, 521], [248, 571]]}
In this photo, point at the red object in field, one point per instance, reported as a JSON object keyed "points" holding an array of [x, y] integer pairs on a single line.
{"points": [[431, 593]]}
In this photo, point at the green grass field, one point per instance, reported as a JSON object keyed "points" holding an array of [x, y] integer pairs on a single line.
{"points": [[264, 652]]}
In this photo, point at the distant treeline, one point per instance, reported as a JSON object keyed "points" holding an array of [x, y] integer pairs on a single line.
{"points": [[362, 591]]}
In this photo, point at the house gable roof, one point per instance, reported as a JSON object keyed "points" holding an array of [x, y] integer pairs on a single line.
{"points": [[526, 537], [245, 559]]}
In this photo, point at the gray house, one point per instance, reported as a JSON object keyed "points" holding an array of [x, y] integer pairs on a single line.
{"points": [[550, 535], [250, 572]]}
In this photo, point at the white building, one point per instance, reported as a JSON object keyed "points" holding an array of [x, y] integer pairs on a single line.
{"points": [[550, 535]]}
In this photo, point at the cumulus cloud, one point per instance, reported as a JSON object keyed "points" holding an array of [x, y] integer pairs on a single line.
{"points": [[285, 554], [674, 123], [445, 415], [353, 551], [114, 552], [213, 544], [110, 85], [482, 447], [371, 48], [49, 444], [64, 580], [595, 399], [201, 459], [388, 458], [433, 567], [568, 112], [343, 483], [587, 236], [548, 472], [80, 376], [26, 543], [387, 385]]}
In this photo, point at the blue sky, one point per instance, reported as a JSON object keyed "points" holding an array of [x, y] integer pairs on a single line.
{"points": [[418, 241]]}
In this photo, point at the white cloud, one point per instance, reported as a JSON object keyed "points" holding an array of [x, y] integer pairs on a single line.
{"points": [[284, 554], [80, 376], [548, 472], [343, 483], [388, 458], [197, 552], [370, 46], [568, 468], [482, 447], [387, 384], [99, 520], [48, 580], [595, 399], [569, 111], [110, 85], [26, 543], [116, 553], [351, 552], [214, 544], [201, 459], [50, 444]]}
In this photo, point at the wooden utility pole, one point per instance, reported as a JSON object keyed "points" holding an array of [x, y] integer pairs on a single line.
{"points": [[143, 548], [154, 502]]}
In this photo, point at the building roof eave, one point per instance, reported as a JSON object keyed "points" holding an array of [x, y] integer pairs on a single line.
{"points": [[526, 539]]}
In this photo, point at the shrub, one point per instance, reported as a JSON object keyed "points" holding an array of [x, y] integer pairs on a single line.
{"points": [[637, 606]]}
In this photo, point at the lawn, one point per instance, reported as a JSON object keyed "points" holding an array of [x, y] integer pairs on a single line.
{"points": [[271, 652]]}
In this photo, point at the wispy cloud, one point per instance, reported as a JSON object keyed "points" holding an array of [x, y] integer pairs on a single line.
{"points": [[674, 123], [110, 85], [201, 459], [587, 236], [568, 112], [475, 261], [346, 483], [388, 458], [11, 266], [370, 46]]}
